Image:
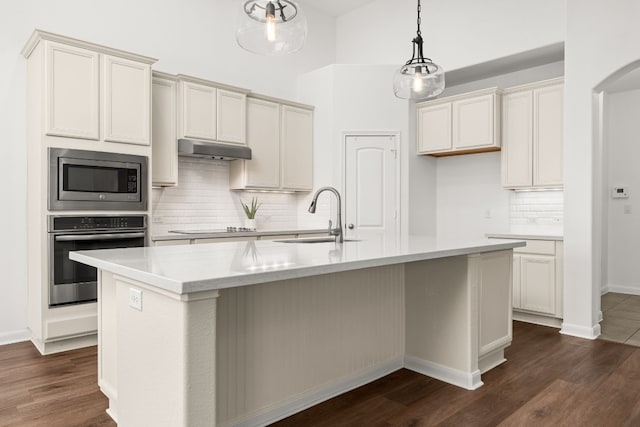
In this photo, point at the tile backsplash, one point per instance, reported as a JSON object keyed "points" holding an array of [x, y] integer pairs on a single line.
{"points": [[203, 201], [539, 211]]}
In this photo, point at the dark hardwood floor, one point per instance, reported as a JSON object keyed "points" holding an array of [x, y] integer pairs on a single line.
{"points": [[549, 379]]}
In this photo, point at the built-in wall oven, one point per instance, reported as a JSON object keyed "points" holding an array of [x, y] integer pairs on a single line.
{"points": [[71, 282], [95, 180]]}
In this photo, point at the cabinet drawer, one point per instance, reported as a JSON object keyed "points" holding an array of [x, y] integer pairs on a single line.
{"points": [[543, 247]]}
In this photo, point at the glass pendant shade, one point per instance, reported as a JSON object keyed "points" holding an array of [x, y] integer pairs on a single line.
{"points": [[418, 81], [271, 27], [419, 78]]}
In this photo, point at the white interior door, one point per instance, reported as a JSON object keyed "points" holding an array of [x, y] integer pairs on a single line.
{"points": [[371, 186]]}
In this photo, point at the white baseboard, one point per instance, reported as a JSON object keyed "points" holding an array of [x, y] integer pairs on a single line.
{"points": [[629, 290], [537, 319], [309, 399], [15, 336], [470, 381], [590, 333]]}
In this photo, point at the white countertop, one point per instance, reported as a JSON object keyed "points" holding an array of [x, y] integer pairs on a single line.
{"points": [[524, 236], [214, 234], [185, 269]]}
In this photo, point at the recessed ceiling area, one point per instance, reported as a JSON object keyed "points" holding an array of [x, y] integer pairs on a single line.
{"points": [[335, 7], [629, 81]]}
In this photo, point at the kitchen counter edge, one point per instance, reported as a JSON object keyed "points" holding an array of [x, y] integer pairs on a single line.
{"points": [[555, 237]]}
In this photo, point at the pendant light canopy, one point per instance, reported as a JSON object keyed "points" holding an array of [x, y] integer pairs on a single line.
{"points": [[271, 27], [420, 78]]}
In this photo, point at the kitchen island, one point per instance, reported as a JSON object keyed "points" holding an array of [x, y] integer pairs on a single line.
{"points": [[246, 333]]}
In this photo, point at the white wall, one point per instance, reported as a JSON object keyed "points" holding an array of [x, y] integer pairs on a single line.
{"points": [[192, 37], [457, 33], [471, 201], [615, 43], [623, 148], [355, 98]]}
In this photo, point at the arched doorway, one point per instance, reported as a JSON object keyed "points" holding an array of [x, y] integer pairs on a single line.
{"points": [[616, 127]]}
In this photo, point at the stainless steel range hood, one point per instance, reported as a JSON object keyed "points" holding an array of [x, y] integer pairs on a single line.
{"points": [[212, 150]]}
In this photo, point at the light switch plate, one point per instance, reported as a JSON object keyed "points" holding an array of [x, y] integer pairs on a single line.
{"points": [[135, 298]]}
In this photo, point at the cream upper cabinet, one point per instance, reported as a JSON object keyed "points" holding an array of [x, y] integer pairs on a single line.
{"points": [[548, 110], [532, 135], [474, 123], [296, 148], [461, 124], [263, 137], [280, 136], [231, 117], [164, 149], [210, 111], [198, 111], [91, 92], [72, 105], [517, 137], [127, 100], [434, 128]]}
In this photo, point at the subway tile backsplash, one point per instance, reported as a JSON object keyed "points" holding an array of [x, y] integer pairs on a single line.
{"points": [[202, 200], [536, 211]]}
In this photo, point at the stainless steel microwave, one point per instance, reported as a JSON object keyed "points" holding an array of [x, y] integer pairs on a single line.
{"points": [[95, 180]]}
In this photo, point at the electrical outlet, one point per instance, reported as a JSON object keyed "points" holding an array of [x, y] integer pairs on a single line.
{"points": [[135, 298]]}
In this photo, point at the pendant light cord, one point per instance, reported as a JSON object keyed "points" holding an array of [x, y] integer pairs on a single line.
{"points": [[419, 9]]}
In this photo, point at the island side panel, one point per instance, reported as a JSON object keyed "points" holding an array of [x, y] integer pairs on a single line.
{"points": [[283, 346], [442, 319], [107, 340], [165, 357], [495, 299]]}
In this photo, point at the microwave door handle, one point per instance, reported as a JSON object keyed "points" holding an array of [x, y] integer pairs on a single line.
{"points": [[114, 236]]}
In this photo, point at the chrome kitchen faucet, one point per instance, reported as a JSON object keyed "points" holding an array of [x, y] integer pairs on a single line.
{"points": [[337, 231]]}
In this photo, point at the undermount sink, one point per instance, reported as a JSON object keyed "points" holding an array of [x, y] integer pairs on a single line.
{"points": [[314, 240]]}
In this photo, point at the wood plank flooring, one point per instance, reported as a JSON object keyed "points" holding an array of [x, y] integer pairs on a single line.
{"points": [[548, 379]]}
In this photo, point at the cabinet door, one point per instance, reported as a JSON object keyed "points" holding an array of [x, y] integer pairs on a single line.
{"points": [[538, 292], [263, 170], [548, 136], [198, 105], [517, 280], [127, 100], [231, 117], [164, 149], [474, 123], [296, 148], [72, 88], [517, 140], [434, 128]]}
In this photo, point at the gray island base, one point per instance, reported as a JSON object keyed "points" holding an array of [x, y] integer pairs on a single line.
{"points": [[247, 333]]}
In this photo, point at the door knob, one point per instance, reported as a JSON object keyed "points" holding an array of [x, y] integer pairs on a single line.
{"points": [[350, 226]]}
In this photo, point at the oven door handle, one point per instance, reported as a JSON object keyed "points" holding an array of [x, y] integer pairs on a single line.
{"points": [[106, 236]]}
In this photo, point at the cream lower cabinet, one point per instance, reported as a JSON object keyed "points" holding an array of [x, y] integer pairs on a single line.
{"points": [[281, 140], [532, 135], [72, 78], [210, 111], [537, 278], [462, 124], [164, 149]]}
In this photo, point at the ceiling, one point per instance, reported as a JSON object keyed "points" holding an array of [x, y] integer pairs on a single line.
{"points": [[335, 7]]}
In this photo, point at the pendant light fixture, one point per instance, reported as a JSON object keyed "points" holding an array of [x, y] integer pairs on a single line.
{"points": [[271, 27], [420, 78]]}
